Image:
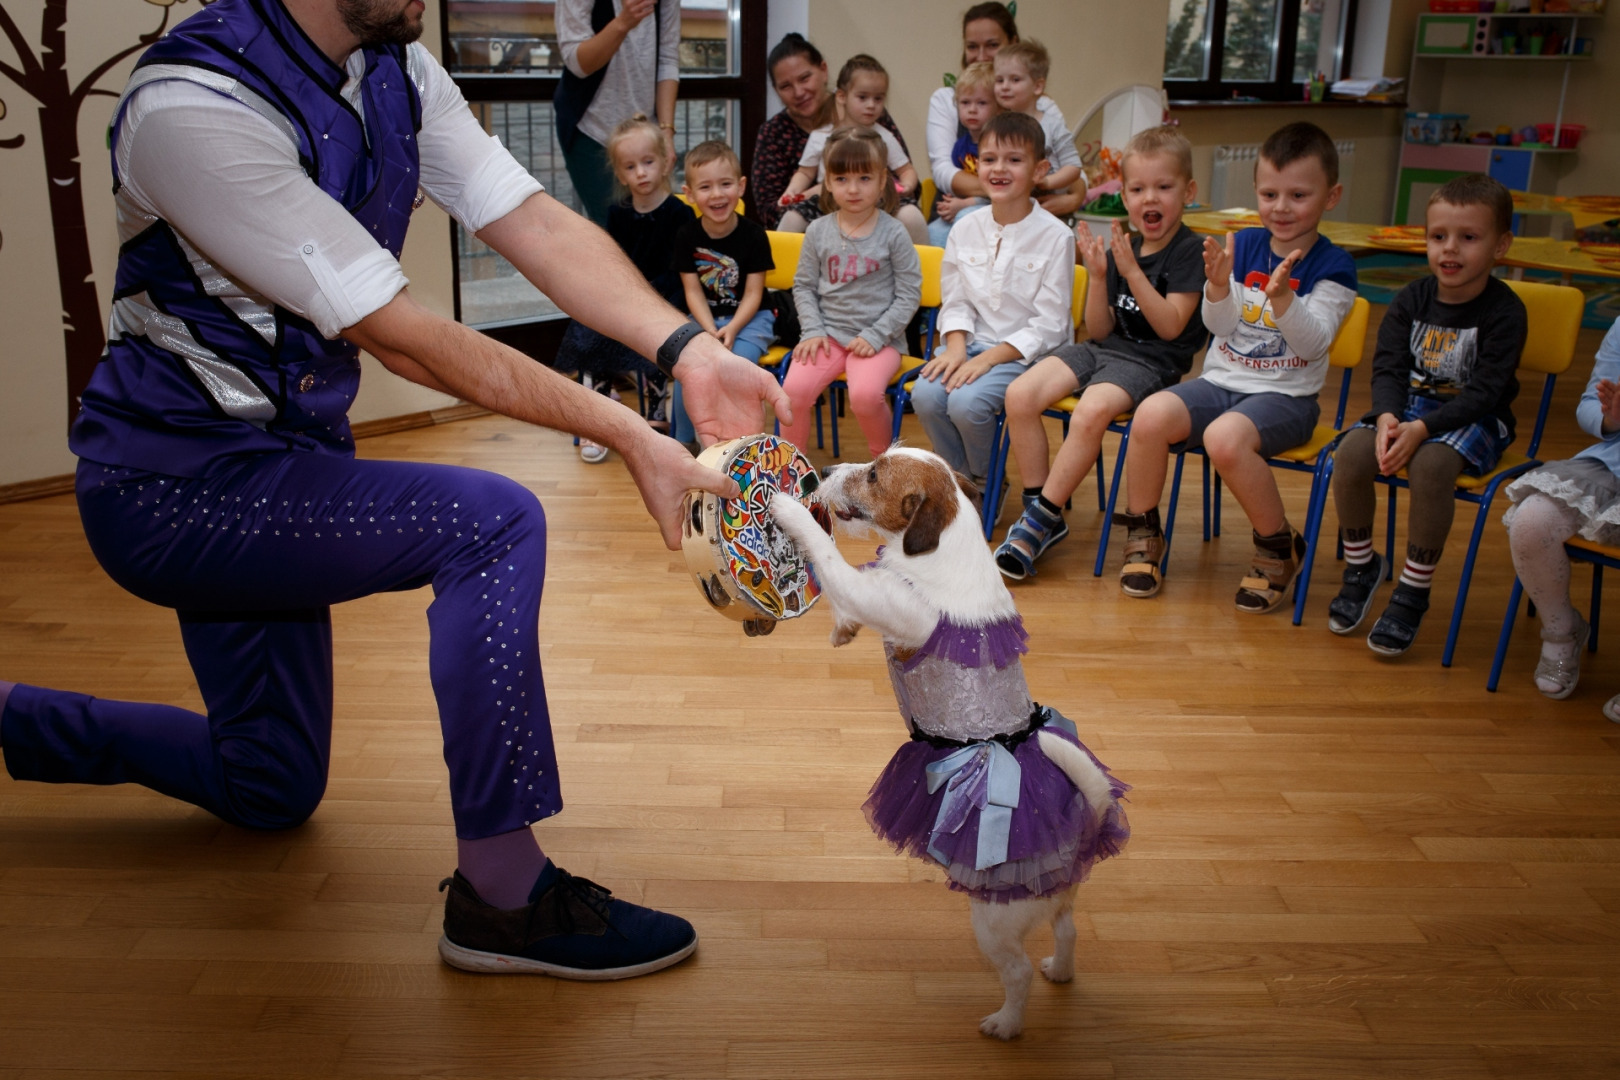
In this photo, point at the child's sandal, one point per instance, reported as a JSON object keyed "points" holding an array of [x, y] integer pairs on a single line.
{"points": [[1397, 627], [1266, 587], [1027, 541], [1144, 551]]}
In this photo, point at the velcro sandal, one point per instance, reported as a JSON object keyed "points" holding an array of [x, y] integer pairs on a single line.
{"points": [[1355, 595], [1144, 551], [1396, 628], [1028, 540], [1270, 575]]}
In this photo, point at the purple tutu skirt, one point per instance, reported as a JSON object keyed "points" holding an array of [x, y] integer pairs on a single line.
{"points": [[1055, 839]]}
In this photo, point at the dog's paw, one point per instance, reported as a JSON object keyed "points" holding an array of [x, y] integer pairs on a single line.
{"points": [[844, 633], [1058, 972], [791, 516], [1002, 1025]]}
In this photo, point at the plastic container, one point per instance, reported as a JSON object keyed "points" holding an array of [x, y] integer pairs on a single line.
{"points": [[1569, 135], [1433, 129]]}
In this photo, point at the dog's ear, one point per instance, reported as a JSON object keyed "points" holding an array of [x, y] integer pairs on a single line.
{"points": [[928, 517], [969, 488]]}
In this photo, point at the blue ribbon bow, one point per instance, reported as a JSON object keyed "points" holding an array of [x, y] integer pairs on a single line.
{"points": [[984, 777]]}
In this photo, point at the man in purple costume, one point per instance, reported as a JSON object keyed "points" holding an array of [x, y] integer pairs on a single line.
{"points": [[267, 155]]}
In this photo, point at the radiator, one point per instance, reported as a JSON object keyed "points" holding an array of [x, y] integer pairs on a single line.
{"points": [[1232, 180]]}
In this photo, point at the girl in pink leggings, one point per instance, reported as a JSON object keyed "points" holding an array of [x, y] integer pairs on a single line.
{"points": [[857, 286]]}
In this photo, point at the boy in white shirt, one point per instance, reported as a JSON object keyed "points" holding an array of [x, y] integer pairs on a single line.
{"points": [[1007, 280]]}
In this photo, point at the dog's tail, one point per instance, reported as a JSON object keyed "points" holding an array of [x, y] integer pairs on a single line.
{"points": [[1081, 770]]}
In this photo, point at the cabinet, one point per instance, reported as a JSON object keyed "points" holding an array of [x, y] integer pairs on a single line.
{"points": [[1535, 52]]}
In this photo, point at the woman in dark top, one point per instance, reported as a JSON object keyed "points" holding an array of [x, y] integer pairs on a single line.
{"points": [[799, 74]]}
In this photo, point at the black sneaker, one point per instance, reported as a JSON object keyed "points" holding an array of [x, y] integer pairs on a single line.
{"points": [[1395, 629], [1355, 595], [572, 929]]}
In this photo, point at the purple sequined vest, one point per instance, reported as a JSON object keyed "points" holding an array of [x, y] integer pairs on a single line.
{"points": [[966, 682], [198, 370]]}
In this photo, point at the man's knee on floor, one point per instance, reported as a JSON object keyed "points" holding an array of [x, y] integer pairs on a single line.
{"points": [[280, 796]]}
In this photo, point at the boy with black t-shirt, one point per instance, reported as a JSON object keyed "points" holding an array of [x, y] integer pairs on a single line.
{"points": [[1442, 393], [722, 258], [1142, 310]]}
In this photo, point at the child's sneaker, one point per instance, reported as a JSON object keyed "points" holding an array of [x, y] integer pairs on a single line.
{"points": [[1277, 560], [1028, 539], [1392, 634], [1355, 595], [1144, 551], [592, 453], [572, 928]]}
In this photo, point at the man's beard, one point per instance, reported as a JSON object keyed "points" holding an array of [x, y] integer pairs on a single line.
{"points": [[371, 22]]}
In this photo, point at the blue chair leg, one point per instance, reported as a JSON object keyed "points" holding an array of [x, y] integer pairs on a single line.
{"points": [[832, 409], [1597, 606], [998, 468], [1170, 519], [1113, 501], [1315, 509], [1502, 638], [1215, 506], [1467, 575], [820, 442], [1102, 487]]}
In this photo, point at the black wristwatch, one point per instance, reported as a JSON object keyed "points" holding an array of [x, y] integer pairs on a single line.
{"points": [[670, 350]]}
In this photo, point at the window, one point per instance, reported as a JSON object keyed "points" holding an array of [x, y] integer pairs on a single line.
{"points": [[504, 56], [1266, 50]]}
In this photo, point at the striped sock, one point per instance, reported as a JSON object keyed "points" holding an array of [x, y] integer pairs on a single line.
{"points": [[1417, 575], [1358, 552]]}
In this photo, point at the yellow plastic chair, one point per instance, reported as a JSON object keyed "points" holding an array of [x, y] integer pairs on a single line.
{"points": [[932, 259], [925, 196], [1554, 319], [785, 250]]}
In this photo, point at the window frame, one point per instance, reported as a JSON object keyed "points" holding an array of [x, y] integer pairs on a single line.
{"points": [[747, 88], [1282, 87]]}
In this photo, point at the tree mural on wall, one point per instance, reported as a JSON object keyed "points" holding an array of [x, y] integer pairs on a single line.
{"points": [[44, 77]]}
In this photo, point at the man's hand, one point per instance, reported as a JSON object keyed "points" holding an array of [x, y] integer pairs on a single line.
{"points": [[860, 347], [1093, 251], [809, 349], [664, 472], [1395, 442], [968, 372], [724, 394], [1218, 267]]}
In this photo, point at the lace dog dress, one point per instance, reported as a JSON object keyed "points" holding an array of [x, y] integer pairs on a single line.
{"points": [[973, 790]]}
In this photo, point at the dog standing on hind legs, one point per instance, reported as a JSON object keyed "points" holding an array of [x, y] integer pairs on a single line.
{"points": [[996, 789]]}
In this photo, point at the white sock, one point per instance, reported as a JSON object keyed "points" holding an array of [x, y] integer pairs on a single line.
{"points": [[1417, 575], [1358, 552]]}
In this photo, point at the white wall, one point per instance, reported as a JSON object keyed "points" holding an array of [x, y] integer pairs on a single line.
{"points": [[33, 405]]}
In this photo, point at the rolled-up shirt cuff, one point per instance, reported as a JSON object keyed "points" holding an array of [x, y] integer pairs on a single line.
{"points": [[499, 186], [345, 298]]}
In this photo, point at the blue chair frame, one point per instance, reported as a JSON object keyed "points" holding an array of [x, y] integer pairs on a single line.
{"points": [[1599, 558]]}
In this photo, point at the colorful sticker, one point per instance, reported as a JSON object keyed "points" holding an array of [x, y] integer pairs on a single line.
{"points": [[761, 558]]}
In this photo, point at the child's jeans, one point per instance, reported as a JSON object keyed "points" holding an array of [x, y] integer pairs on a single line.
{"points": [[961, 423], [939, 229], [752, 342], [868, 379]]}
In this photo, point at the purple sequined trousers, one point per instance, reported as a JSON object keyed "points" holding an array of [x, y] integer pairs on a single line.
{"points": [[251, 558], [966, 684]]}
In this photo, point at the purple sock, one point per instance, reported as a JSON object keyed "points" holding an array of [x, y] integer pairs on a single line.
{"points": [[503, 869]]}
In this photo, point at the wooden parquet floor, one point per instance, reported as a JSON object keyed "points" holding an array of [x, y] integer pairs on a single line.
{"points": [[1341, 866]]}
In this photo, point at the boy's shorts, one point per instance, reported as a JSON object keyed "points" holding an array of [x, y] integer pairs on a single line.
{"points": [[1479, 444], [1092, 364], [1283, 421]]}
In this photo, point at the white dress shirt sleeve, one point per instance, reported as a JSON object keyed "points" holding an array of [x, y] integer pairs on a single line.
{"points": [[941, 138]]}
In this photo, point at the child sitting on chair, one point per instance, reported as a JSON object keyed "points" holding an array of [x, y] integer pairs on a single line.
{"points": [[1006, 282], [1442, 405], [1274, 302], [1142, 312], [1562, 500]]}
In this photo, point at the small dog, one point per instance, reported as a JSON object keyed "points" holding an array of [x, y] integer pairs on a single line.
{"points": [[948, 622]]}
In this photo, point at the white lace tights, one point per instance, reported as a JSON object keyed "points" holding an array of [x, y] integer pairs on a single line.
{"points": [[1540, 527]]}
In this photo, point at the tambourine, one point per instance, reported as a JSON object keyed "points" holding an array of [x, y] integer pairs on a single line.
{"points": [[744, 565]]}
